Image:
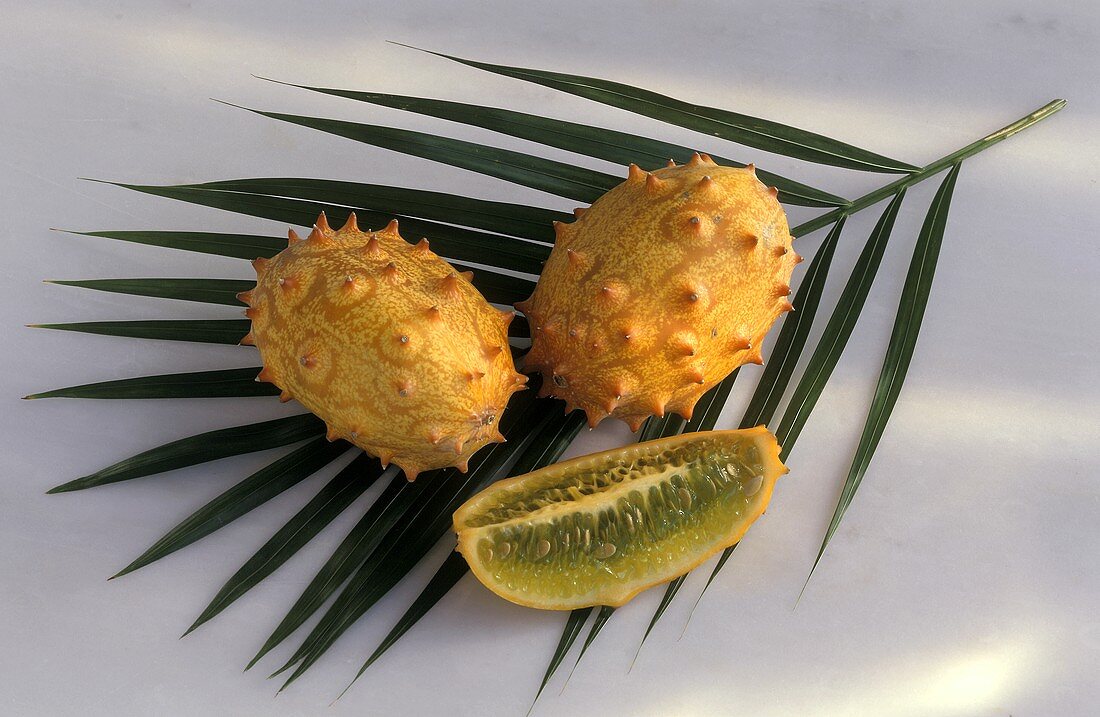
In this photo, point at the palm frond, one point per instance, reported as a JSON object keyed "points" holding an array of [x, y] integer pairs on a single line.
{"points": [[412, 539], [258, 488], [609, 145], [573, 625], [750, 131], [785, 354], [330, 501], [707, 411], [364, 537], [792, 335], [450, 241], [930, 170], [838, 330], [222, 383], [206, 331], [545, 175], [203, 448], [903, 339], [237, 246], [206, 291], [406, 520], [516, 220]]}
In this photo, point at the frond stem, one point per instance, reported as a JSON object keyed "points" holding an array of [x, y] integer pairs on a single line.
{"points": [[930, 170]]}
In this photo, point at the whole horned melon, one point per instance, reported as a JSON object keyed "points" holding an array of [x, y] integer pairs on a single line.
{"points": [[396, 351], [659, 290]]}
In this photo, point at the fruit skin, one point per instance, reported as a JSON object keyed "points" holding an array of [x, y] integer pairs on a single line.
{"points": [[388, 344], [659, 290], [470, 524]]}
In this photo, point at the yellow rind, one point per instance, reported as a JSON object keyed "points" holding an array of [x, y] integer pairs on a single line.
{"points": [[658, 291], [388, 344], [468, 537]]}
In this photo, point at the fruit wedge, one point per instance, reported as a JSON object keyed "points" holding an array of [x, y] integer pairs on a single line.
{"points": [[599, 529]]}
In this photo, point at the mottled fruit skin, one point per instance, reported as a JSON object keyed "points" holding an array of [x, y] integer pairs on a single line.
{"points": [[659, 290], [385, 341]]}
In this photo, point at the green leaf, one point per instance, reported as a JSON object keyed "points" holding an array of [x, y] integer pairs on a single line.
{"points": [[412, 539], [709, 407], [573, 625], [669, 425], [450, 241], [837, 332], [545, 449], [331, 501], [609, 145], [207, 291], [750, 131], [903, 339], [257, 489], [706, 414], [888, 190], [726, 554], [602, 616], [445, 578], [785, 354], [707, 411], [223, 383], [388, 508], [546, 175], [207, 331], [238, 246], [792, 336], [517, 220], [202, 448], [671, 589]]}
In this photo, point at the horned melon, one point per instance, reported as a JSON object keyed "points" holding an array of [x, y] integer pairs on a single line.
{"points": [[659, 290], [385, 341]]}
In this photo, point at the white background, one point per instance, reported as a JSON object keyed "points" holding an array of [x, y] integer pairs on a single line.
{"points": [[964, 580]]}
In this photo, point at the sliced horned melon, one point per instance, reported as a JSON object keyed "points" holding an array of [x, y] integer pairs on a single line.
{"points": [[599, 529]]}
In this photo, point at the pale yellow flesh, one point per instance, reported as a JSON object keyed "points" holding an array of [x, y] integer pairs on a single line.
{"points": [[599, 529]]}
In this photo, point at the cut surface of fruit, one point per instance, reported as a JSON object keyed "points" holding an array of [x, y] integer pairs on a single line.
{"points": [[599, 529]]}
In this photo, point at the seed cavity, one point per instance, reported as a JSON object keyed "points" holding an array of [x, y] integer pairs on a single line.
{"points": [[685, 498], [505, 549], [542, 549]]}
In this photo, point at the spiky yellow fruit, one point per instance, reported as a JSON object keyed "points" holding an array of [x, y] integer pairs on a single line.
{"points": [[659, 290], [385, 341]]}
